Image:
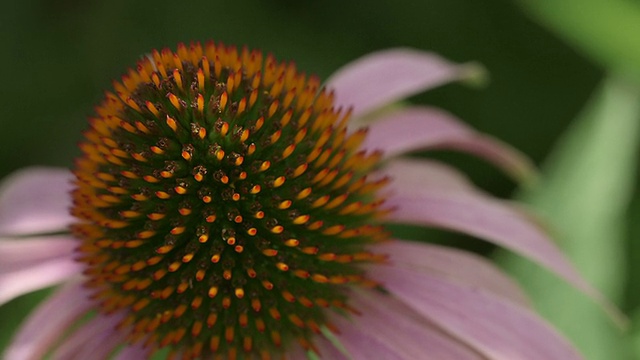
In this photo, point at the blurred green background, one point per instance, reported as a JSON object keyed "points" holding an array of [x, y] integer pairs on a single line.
{"points": [[58, 56]]}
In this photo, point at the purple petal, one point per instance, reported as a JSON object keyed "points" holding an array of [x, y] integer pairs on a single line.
{"points": [[415, 174], [422, 128], [48, 322], [22, 253], [296, 352], [492, 220], [38, 276], [387, 76], [365, 346], [498, 329], [133, 352], [385, 320], [95, 339], [453, 265], [327, 350], [35, 200]]}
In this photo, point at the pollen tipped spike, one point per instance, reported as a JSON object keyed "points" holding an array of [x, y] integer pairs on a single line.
{"points": [[213, 291], [265, 166], [292, 242], [171, 122], [275, 136], [251, 149], [201, 79], [279, 181], [224, 98], [173, 99], [200, 103]]}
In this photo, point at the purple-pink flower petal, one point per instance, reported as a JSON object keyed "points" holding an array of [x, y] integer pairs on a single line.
{"points": [[411, 174], [48, 322], [453, 265], [423, 128], [22, 253], [387, 76], [296, 352], [35, 200], [36, 276], [133, 352], [30, 264], [327, 350], [387, 320], [95, 339], [492, 220], [499, 329], [362, 345]]}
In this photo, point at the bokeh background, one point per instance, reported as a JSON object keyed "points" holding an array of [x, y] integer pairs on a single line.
{"points": [[58, 56]]}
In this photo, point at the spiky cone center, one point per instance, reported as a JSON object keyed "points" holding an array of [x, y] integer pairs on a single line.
{"points": [[222, 204]]}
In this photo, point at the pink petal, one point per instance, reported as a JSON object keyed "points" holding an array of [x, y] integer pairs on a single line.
{"points": [[48, 322], [489, 219], [133, 352], [453, 265], [327, 350], [389, 321], [496, 328], [38, 276], [492, 220], [21, 253], [95, 339], [422, 128], [415, 174], [35, 200], [387, 76], [365, 346], [296, 352]]}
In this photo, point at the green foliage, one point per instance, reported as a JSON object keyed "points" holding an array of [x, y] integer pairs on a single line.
{"points": [[583, 195], [606, 30]]}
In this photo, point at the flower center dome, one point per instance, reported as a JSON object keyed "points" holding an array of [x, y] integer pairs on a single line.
{"points": [[222, 204]]}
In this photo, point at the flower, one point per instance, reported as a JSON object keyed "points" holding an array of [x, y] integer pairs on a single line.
{"points": [[226, 204]]}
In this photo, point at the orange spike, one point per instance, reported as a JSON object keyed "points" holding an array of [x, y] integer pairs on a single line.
{"points": [[177, 78], [200, 103], [174, 101], [201, 78], [292, 242]]}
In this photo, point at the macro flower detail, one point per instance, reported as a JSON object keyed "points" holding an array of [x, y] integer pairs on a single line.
{"points": [[220, 196], [228, 206]]}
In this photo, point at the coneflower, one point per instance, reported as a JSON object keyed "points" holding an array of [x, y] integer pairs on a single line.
{"points": [[228, 206]]}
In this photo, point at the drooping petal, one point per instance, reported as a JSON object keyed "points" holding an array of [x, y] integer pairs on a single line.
{"points": [[327, 350], [35, 200], [499, 329], [389, 322], [48, 323], [22, 253], [95, 339], [423, 128], [453, 265], [411, 175], [37, 276], [365, 346], [492, 220], [133, 352], [296, 352], [387, 76]]}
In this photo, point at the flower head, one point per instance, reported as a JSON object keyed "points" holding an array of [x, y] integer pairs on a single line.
{"points": [[227, 205], [220, 196]]}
